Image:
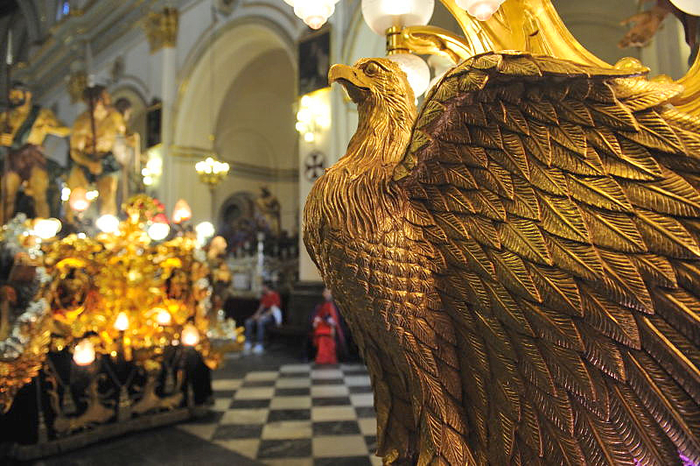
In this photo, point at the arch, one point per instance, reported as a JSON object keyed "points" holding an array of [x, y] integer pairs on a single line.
{"points": [[32, 20], [234, 45]]}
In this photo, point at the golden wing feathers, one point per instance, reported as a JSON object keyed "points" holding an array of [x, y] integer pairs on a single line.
{"points": [[560, 203]]}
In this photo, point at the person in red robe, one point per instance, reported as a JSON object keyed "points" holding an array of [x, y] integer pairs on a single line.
{"points": [[326, 328]]}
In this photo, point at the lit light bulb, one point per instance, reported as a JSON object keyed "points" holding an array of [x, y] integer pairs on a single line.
{"points": [[46, 228], [692, 7], [182, 211], [65, 194], [309, 137], [205, 229], [155, 166], [416, 69], [314, 13], [190, 335], [163, 317], [121, 323], [480, 9], [84, 353], [107, 223], [380, 15], [158, 231], [92, 195], [78, 199]]}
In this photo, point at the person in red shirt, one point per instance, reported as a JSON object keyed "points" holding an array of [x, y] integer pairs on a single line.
{"points": [[327, 328], [268, 312]]}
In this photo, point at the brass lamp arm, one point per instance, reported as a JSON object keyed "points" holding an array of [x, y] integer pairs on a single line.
{"points": [[428, 40]]}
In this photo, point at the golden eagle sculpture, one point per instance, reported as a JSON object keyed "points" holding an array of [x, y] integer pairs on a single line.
{"points": [[519, 263]]}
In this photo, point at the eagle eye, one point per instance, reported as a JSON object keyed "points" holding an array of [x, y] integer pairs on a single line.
{"points": [[372, 69]]}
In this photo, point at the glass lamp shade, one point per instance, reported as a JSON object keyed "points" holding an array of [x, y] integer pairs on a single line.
{"points": [[480, 9], [380, 15], [692, 7], [47, 228], [182, 211], [314, 13], [163, 317], [190, 335], [78, 199], [205, 229], [121, 323], [158, 231], [84, 353], [108, 223], [416, 69]]}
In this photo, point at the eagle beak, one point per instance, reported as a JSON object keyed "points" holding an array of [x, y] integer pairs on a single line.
{"points": [[354, 81]]}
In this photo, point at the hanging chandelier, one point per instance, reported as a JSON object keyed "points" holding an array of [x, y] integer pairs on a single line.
{"points": [[314, 13]]}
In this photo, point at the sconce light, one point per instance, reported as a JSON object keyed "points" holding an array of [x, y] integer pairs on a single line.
{"points": [[153, 169], [314, 115]]}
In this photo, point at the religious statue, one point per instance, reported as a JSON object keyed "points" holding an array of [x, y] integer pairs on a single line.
{"points": [[269, 207], [127, 150], [92, 148], [519, 262], [23, 129]]}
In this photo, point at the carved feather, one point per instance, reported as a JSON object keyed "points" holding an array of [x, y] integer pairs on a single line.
{"points": [[527, 276]]}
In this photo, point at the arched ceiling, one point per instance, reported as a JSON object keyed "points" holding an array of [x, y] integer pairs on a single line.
{"points": [[255, 123]]}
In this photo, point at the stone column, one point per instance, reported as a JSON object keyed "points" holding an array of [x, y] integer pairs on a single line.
{"points": [[162, 30]]}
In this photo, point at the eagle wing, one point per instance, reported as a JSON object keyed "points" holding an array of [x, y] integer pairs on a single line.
{"points": [[560, 205]]}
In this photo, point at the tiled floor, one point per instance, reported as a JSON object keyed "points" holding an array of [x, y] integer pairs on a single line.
{"points": [[268, 410], [294, 415]]}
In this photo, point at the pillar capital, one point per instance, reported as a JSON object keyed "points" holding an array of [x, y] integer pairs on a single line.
{"points": [[162, 28]]}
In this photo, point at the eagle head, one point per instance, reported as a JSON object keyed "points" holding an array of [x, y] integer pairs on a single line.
{"points": [[379, 88]]}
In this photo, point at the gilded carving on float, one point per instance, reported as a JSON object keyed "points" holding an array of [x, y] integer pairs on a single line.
{"points": [[162, 28], [519, 260]]}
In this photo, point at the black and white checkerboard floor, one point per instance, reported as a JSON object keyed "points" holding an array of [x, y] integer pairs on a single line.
{"points": [[296, 415]]}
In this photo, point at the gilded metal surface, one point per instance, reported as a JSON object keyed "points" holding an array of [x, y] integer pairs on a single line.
{"points": [[522, 269], [162, 28], [25, 318], [125, 272], [85, 283], [430, 40], [689, 100], [528, 25]]}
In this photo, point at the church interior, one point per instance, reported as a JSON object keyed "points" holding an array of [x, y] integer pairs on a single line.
{"points": [[349, 232]]}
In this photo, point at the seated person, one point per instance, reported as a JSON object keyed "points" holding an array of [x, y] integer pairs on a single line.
{"points": [[268, 312]]}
